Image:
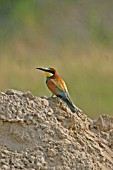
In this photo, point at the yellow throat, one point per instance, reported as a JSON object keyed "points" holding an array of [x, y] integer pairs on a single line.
{"points": [[48, 74]]}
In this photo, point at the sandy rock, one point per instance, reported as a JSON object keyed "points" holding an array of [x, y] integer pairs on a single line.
{"points": [[51, 153], [104, 123], [43, 134]]}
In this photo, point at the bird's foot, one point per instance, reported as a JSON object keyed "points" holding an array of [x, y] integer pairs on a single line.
{"points": [[53, 95]]}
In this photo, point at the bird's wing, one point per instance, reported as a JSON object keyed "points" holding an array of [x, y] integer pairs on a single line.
{"points": [[59, 89], [60, 84]]}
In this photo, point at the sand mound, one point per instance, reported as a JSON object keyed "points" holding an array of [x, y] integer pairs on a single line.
{"points": [[43, 134]]}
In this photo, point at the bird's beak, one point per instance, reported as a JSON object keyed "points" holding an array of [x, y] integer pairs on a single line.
{"points": [[43, 69]]}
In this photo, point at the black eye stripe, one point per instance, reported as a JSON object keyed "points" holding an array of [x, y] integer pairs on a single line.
{"points": [[50, 71]]}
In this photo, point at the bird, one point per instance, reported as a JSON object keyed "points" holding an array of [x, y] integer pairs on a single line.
{"points": [[58, 87]]}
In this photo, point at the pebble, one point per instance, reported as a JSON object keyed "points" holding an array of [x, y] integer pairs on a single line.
{"points": [[45, 102], [5, 167], [29, 95], [51, 152], [28, 122], [10, 92], [60, 118]]}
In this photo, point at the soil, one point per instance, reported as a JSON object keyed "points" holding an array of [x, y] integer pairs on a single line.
{"points": [[40, 133]]}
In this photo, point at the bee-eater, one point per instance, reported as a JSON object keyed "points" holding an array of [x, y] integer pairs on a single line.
{"points": [[58, 87]]}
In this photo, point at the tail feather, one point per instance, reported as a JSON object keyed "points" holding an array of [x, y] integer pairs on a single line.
{"points": [[68, 101], [71, 106]]}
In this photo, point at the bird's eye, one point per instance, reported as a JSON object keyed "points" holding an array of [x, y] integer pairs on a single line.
{"points": [[52, 72]]}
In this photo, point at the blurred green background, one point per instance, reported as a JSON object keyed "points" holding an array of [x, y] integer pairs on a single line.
{"points": [[75, 37]]}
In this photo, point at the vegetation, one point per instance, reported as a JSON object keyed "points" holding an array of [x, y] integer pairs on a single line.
{"points": [[74, 37]]}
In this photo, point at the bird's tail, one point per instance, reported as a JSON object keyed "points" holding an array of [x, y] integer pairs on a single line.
{"points": [[72, 107]]}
